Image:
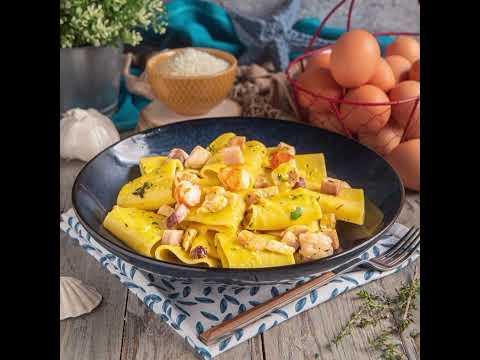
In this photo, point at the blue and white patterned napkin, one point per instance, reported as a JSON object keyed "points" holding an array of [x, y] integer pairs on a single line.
{"points": [[189, 307]]}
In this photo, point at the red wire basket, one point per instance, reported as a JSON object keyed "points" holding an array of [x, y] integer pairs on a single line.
{"points": [[334, 103]]}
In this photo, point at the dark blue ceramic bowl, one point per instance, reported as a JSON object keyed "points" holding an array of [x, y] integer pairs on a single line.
{"points": [[97, 185]]}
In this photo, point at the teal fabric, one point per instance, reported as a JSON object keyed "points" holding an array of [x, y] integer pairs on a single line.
{"points": [[201, 24]]}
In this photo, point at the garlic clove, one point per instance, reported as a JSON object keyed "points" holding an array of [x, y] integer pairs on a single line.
{"points": [[85, 133]]}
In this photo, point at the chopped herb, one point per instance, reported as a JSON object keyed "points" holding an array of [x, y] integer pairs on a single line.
{"points": [[385, 344], [141, 190], [126, 224], [378, 307], [155, 223], [317, 356], [339, 207], [295, 214]]}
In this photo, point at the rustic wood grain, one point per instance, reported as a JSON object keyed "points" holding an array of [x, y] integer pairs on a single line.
{"points": [[96, 335], [308, 335], [389, 284], [147, 337]]}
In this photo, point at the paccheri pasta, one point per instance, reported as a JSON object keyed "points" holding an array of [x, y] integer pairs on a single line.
{"points": [[234, 204]]}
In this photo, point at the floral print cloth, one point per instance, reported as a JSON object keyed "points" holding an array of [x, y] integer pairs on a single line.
{"points": [[190, 307]]}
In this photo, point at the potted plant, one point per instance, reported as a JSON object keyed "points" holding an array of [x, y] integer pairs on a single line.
{"points": [[92, 35]]}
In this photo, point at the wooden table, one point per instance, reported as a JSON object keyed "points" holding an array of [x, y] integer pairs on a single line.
{"points": [[122, 327]]}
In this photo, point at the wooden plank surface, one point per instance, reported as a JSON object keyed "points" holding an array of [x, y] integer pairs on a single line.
{"points": [[97, 335], [123, 328]]}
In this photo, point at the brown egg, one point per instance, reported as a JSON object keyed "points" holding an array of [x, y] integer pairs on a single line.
{"points": [[384, 141], [401, 112], [415, 71], [326, 120], [400, 67], [354, 58], [383, 77], [320, 59], [320, 82], [405, 158], [405, 46], [365, 118]]}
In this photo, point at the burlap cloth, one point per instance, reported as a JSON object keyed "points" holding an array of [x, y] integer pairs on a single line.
{"points": [[259, 90]]}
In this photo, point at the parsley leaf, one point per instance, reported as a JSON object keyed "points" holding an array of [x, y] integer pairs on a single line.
{"points": [[295, 214], [141, 190]]}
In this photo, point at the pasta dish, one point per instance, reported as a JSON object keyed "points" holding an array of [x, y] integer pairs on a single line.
{"points": [[234, 204]]}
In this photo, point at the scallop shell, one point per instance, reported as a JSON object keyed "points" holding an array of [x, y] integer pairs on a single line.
{"points": [[76, 298]]}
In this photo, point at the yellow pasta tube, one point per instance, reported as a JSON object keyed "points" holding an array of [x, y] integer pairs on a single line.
{"points": [[297, 207], [253, 153], [348, 205], [150, 164], [140, 230], [225, 220], [312, 168], [149, 192], [175, 254], [206, 240], [234, 255], [220, 142]]}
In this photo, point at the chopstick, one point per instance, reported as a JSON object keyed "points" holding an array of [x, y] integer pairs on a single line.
{"points": [[227, 328]]}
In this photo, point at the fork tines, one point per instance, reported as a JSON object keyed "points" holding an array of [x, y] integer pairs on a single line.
{"points": [[403, 249]]}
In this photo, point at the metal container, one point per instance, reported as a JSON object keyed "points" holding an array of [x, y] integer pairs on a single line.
{"points": [[90, 78]]}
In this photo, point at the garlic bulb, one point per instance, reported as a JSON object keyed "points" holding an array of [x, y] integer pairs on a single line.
{"points": [[84, 133]]}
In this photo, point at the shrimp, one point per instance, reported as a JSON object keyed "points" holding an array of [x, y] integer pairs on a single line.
{"points": [[315, 246], [254, 196], [214, 202], [279, 157], [289, 148], [332, 233], [187, 193], [290, 235], [234, 178], [187, 174], [297, 229]]}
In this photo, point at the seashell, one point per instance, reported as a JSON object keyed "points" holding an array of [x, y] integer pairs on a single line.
{"points": [[76, 298]]}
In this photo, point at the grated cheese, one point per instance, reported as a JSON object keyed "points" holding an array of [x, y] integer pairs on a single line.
{"points": [[192, 62]]}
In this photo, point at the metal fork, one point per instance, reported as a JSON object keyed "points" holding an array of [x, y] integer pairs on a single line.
{"points": [[391, 259]]}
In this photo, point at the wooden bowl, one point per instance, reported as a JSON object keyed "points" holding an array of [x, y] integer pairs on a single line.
{"points": [[191, 95]]}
